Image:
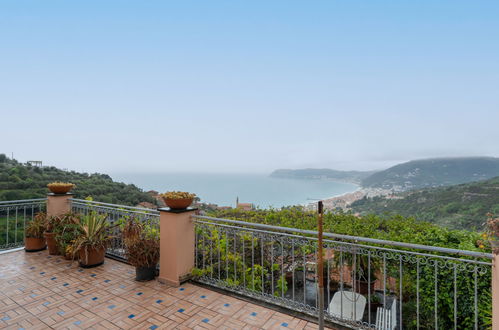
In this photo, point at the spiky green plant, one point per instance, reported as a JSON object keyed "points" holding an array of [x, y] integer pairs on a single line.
{"points": [[94, 232]]}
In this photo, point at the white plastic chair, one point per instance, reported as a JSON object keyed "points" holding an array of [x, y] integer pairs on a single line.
{"points": [[347, 305], [386, 319]]}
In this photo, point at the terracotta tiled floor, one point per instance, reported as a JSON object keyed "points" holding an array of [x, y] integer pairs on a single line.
{"points": [[38, 291]]}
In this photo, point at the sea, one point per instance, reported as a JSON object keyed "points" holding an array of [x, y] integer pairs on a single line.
{"points": [[261, 190]]}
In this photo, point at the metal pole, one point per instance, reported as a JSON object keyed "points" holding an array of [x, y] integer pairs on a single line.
{"points": [[320, 268], [495, 291]]}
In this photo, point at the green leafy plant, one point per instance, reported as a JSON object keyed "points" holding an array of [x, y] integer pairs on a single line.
{"points": [[486, 310], [93, 229], [52, 223], [254, 277], [66, 233], [36, 227], [282, 286], [141, 243]]}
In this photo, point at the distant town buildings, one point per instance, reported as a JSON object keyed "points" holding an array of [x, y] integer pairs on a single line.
{"points": [[344, 201], [147, 205], [154, 194], [244, 206]]}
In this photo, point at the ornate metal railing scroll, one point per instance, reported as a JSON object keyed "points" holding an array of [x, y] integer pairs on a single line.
{"points": [[368, 285]]}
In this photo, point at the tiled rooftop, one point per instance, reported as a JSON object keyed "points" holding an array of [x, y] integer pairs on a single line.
{"points": [[38, 291]]}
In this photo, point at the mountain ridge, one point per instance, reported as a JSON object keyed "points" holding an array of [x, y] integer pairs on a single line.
{"points": [[322, 173], [462, 206], [414, 174], [433, 172]]}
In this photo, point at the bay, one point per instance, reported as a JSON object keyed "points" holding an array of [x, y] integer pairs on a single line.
{"points": [[223, 189]]}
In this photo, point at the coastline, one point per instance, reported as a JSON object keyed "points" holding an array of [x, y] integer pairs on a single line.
{"points": [[224, 189], [344, 201]]}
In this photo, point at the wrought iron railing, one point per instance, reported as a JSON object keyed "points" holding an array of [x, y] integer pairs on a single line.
{"points": [[114, 214], [369, 283], [13, 218]]}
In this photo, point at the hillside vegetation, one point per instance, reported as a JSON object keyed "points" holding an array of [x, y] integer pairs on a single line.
{"points": [[420, 282], [20, 181], [392, 228], [438, 172], [461, 206], [321, 173]]}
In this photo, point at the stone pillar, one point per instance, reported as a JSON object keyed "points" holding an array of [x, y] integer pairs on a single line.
{"points": [[495, 292], [177, 236], [58, 204]]}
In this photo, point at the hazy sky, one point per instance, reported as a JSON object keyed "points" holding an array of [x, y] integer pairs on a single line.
{"points": [[247, 86]]}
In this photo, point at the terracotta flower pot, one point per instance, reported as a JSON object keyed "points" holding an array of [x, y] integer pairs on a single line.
{"points": [[51, 243], [60, 189], [178, 204], [91, 257], [34, 244]]}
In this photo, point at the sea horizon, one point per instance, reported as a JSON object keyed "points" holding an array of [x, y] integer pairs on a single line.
{"points": [[223, 189]]}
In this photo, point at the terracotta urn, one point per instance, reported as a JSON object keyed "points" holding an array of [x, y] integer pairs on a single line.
{"points": [[178, 204], [91, 257], [51, 243], [34, 244]]}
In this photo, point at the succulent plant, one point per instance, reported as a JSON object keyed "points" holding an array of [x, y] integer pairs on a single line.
{"points": [[60, 187], [93, 229], [61, 184], [178, 195]]}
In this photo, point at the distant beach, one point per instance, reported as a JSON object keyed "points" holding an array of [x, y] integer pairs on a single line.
{"points": [[344, 201]]}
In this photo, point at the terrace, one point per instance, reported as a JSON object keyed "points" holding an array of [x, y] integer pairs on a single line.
{"points": [[39, 291], [236, 274]]}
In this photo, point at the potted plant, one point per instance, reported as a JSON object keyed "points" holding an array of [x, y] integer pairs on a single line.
{"points": [[142, 248], [34, 240], [66, 233], [60, 187], [178, 200], [50, 226], [91, 244], [69, 252]]}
